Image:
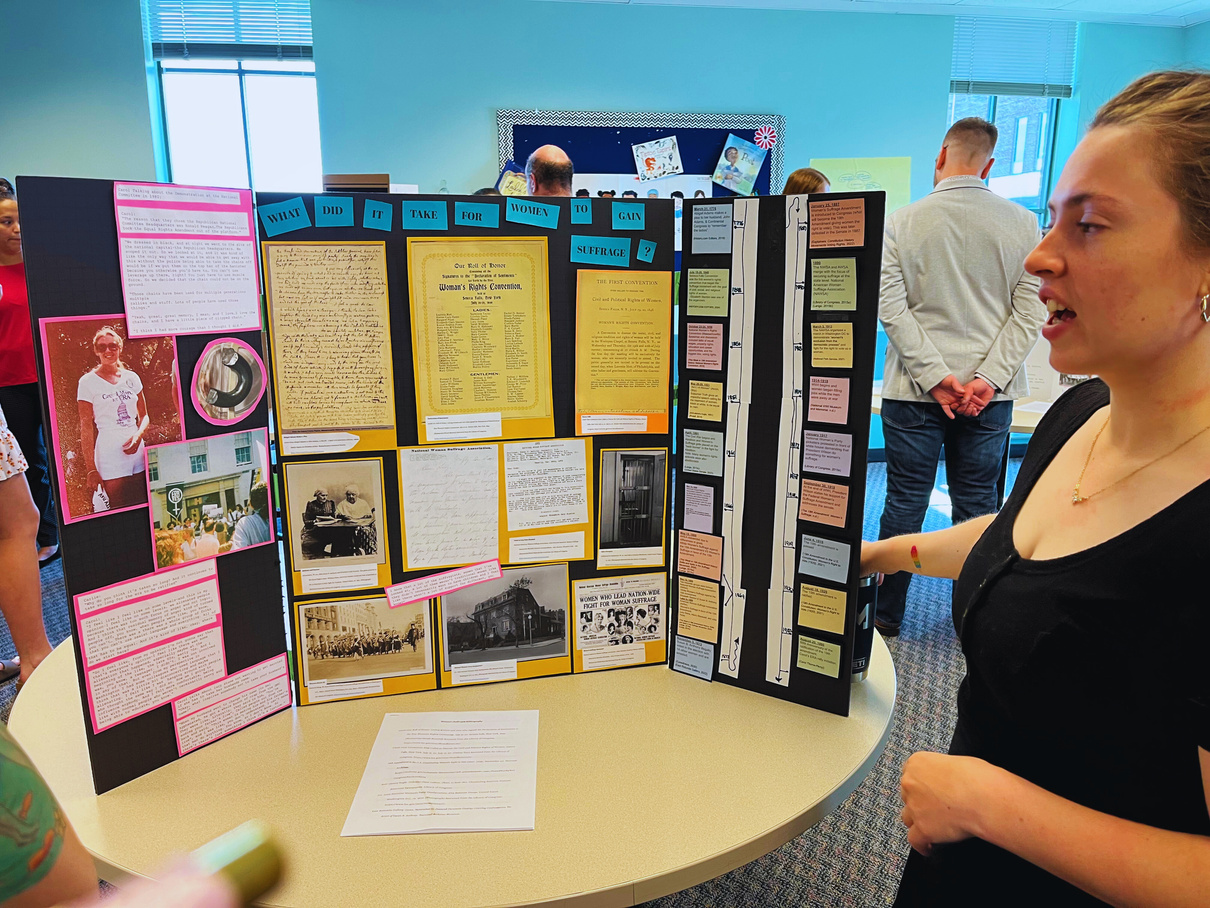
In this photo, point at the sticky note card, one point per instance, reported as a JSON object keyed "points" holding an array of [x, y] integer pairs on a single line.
{"points": [[646, 252], [699, 508], [282, 217], [819, 557], [693, 657], [629, 216], [537, 214], [832, 345], [700, 554], [821, 609], [704, 346], [476, 214], [581, 211], [697, 609], [600, 250], [425, 215], [702, 452], [828, 400], [708, 292], [827, 452], [333, 211], [711, 228], [823, 502], [706, 401], [837, 223], [834, 283], [819, 656], [377, 215]]}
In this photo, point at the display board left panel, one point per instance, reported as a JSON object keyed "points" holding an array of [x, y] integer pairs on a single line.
{"points": [[160, 450]]}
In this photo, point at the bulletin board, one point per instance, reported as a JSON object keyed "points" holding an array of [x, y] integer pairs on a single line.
{"points": [[600, 141], [177, 631], [777, 319], [470, 495]]}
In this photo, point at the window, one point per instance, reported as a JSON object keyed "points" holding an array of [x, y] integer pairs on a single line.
{"points": [[237, 92], [1014, 72], [153, 466], [199, 455], [1021, 171], [243, 447]]}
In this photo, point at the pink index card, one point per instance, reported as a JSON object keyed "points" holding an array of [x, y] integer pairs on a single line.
{"points": [[188, 259], [435, 585], [222, 707], [704, 346], [829, 400]]}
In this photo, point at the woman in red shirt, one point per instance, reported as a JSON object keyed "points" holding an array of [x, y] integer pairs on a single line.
{"points": [[19, 377]]}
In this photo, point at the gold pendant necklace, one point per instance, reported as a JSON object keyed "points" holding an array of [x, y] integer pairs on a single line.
{"points": [[1077, 498]]}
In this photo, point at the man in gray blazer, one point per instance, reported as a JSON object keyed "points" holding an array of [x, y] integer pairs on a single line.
{"points": [[961, 315]]}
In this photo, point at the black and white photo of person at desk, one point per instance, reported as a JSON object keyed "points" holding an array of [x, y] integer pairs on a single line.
{"points": [[338, 522]]}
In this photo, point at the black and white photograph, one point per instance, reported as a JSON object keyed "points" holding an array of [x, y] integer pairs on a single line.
{"points": [[612, 611], [632, 508], [522, 616], [335, 514], [362, 639]]}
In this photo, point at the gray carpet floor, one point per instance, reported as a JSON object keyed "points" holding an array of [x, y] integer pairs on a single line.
{"points": [[855, 855]]}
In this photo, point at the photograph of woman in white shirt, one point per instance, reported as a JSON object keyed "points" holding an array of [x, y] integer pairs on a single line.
{"points": [[113, 421]]}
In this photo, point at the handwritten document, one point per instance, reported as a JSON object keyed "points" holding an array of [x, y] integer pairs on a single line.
{"points": [[480, 326], [623, 344], [546, 483], [450, 505], [449, 772], [331, 323]]}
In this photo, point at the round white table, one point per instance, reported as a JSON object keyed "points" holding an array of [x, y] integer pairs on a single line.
{"points": [[649, 782]]}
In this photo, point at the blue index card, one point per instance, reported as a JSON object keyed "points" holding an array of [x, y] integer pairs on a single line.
{"points": [[333, 211], [377, 215], [629, 216], [527, 211], [646, 251], [282, 217], [476, 214], [425, 215], [601, 250], [581, 211], [693, 657]]}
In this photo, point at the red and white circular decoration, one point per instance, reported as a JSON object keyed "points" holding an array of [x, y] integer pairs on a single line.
{"points": [[766, 137]]}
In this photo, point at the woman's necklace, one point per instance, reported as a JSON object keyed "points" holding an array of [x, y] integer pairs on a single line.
{"points": [[1077, 498]]}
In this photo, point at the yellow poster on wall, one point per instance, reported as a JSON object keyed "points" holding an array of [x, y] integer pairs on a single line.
{"points": [[623, 349], [480, 337]]}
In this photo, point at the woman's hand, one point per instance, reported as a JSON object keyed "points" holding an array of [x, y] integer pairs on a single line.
{"points": [[942, 797], [130, 445]]}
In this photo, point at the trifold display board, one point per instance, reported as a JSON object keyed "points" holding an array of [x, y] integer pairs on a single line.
{"points": [[157, 430], [473, 408], [778, 309]]}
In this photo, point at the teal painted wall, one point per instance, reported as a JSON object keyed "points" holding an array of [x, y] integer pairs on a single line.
{"points": [[1197, 45], [413, 88], [75, 90]]}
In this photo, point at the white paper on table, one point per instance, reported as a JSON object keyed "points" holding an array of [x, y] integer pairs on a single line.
{"points": [[449, 772]]}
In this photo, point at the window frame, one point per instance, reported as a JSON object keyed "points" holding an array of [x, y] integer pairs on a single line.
{"points": [[243, 67]]}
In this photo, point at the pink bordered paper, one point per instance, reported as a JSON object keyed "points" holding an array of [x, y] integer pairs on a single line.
{"points": [[223, 707], [188, 258], [197, 372]]}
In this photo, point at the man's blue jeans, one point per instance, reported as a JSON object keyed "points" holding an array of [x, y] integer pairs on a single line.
{"points": [[974, 451]]}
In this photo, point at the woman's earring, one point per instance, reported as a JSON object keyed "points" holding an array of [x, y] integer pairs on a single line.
{"points": [[1205, 303]]}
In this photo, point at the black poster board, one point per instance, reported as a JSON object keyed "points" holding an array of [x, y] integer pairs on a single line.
{"points": [[562, 280], [70, 244], [754, 485]]}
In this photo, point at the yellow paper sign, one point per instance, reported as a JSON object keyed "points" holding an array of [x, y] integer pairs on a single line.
{"points": [[823, 502], [706, 400], [708, 292], [832, 345], [697, 609], [821, 608], [819, 656], [834, 284]]}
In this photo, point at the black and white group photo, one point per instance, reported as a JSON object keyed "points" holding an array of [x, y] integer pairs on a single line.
{"points": [[360, 639], [335, 512], [522, 616]]}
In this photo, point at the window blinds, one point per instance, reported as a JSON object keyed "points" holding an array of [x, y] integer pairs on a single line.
{"points": [[279, 29], [995, 56]]}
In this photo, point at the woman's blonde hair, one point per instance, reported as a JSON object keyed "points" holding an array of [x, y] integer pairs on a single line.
{"points": [[804, 180], [113, 332], [1174, 107]]}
